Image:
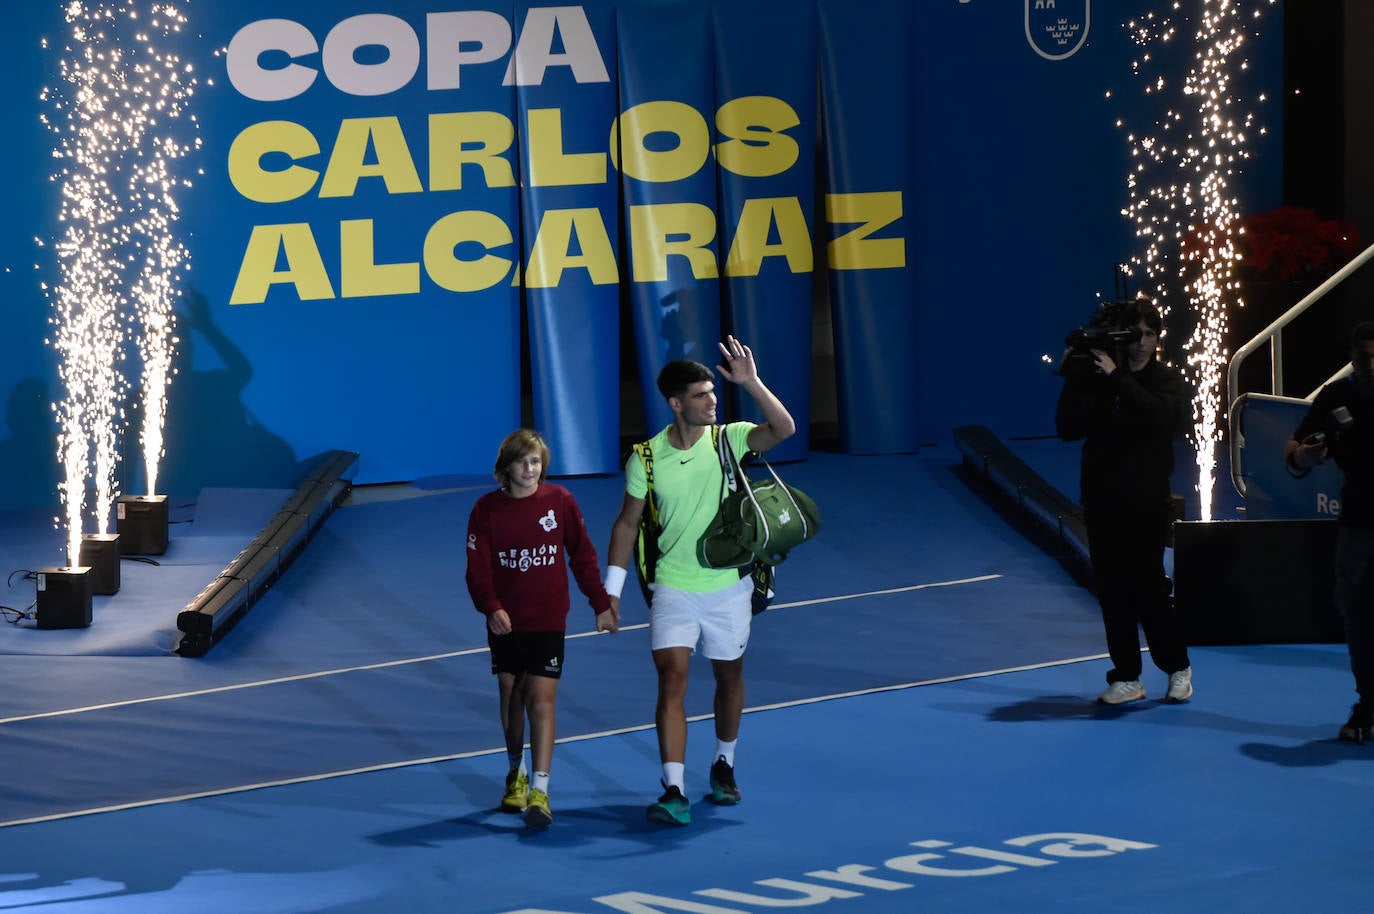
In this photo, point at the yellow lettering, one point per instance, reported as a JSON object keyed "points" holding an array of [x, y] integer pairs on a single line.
{"points": [[854, 250], [551, 255], [692, 226], [632, 129], [550, 166], [347, 163], [479, 138], [441, 257], [758, 147], [254, 182], [359, 274], [751, 245], [304, 266]]}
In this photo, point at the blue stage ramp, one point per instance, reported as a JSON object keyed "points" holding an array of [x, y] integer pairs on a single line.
{"points": [[920, 735]]}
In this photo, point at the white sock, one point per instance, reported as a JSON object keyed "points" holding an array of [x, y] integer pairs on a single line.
{"points": [[540, 781], [725, 749], [673, 775], [517, 762]]}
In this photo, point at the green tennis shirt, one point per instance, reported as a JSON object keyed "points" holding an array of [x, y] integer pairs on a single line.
{"points": [[688, 487]]}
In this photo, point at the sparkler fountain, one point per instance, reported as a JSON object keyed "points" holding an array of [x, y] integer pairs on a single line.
{"points": [[1182, 202], [87, 305], [117, 97], [159, 94], [1235, 581]]}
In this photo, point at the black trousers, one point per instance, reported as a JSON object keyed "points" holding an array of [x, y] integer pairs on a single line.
{"points": [[1127, 553], [1355, 600]]}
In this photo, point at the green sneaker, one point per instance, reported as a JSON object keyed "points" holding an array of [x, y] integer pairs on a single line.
{"points": [[723, 789], [537, 813], [671, 809], [517, 792]]}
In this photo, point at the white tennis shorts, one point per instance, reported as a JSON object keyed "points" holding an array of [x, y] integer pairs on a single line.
{"points": [[718, 619]]}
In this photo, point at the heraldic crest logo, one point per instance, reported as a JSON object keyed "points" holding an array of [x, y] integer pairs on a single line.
{"points": [[1056, 29]]}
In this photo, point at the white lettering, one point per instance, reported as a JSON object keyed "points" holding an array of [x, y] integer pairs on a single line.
{"points": [[453, 40], [916, 863], [810, 894], [373, 30], [1002, 856], [644, 903], [244, 65], [852, 874], [534, 54], [448, 33], [1057, 844], [1067, 844]]}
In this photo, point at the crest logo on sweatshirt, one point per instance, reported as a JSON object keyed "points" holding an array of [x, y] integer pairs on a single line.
{"points": [[549, 522]]}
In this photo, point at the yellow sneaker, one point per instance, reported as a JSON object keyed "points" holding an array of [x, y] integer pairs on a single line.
{"points": [[517, 792], [537, 813]]}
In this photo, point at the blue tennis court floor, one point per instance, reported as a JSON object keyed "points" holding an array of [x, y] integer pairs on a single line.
{"points": [[1009, 791], [920, 736]]}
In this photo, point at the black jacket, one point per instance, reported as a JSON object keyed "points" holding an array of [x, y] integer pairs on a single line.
{"points": [[1129, 421], [1352, 448]]}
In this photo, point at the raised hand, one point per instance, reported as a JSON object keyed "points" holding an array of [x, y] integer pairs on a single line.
{"points": [[739, 366]]}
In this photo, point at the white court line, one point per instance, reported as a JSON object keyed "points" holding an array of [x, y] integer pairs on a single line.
{"points": [[436, 759], [301, 677]]}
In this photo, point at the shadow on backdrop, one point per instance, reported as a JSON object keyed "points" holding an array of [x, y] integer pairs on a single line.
{"points": [[212, 438], [28, 456]]}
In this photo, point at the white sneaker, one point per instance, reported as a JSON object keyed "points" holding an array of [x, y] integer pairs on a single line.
{"points": [[1180, 686], [1121, 692]]}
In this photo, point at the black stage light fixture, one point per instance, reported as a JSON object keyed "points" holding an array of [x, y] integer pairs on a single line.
{"points": [[226, 600], [64, 597], [257, 567], [100, 553], [221, 604], [141, 521], [289, 538], [1025, 490]]}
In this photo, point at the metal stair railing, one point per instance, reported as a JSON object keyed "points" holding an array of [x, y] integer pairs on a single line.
{"points": [[1273, 335]]}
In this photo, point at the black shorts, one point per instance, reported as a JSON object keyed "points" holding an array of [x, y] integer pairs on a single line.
{"points": [[536, 653]]}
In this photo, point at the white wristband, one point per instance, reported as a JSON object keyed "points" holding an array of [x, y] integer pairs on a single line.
{"points": [[615, 580]]}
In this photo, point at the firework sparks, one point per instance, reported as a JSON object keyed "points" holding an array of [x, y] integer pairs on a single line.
{"points": [[159, 97], [116, 208], [1187, 222], [88, 331]]}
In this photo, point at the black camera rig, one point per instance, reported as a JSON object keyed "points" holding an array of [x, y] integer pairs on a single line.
{"points": [[1104, 332]]}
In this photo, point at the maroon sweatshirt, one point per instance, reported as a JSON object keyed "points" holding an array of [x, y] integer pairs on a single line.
{"points": [[519, 551]]}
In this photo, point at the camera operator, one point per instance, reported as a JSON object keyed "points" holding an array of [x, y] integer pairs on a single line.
{"points": [[1128, 408], [1340, 424]]}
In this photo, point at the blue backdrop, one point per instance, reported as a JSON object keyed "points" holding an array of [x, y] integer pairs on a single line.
{"points": [[390, 200]]}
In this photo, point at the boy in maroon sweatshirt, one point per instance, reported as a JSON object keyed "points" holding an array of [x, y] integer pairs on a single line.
{"points": [[522, 539]]}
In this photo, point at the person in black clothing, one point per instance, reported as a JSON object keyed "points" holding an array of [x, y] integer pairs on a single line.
{"points": [[1340, 424], [1128, 408]]}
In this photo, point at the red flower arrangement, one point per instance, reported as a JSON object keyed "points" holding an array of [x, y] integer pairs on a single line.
{"points": [[1292, 244]]}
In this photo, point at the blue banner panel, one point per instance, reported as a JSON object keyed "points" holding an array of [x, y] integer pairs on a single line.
{"points": [[664, 138], [380, 198], [874, 306], [766, 123], [567, 90], [1271, 492], [355, 240]]}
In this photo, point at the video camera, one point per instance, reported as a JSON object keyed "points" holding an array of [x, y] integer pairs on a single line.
{"points": [[1337, 425], [1103, 331]]}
